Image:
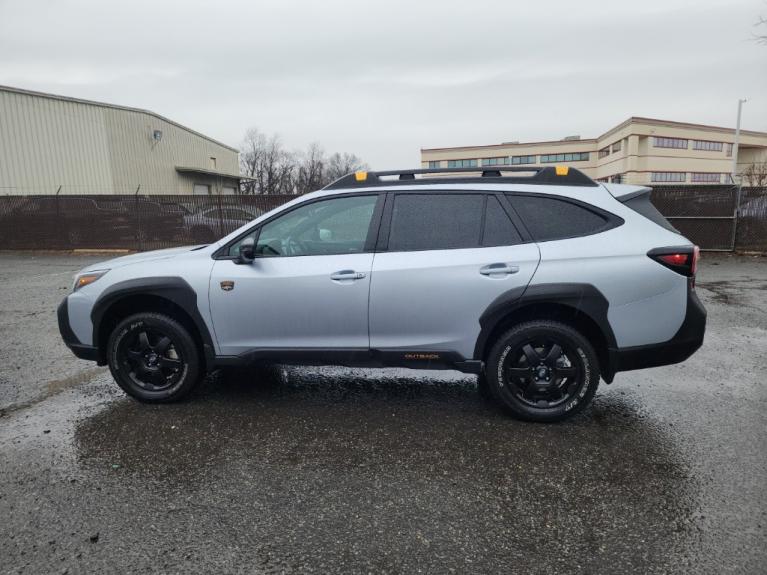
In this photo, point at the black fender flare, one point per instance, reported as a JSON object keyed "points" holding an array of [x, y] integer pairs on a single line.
{"points": [[172, 288], [583, 298]]}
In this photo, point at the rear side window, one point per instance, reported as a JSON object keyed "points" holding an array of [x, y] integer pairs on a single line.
{"points": [[499, 231], [436, 221], [553, 219]]}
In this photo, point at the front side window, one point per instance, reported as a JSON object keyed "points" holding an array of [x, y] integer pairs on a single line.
{"points": [[326, 227], [436, 221], [553, 219]]}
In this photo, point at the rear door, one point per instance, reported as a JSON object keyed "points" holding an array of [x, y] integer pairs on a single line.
{"points": [[443, 258]]}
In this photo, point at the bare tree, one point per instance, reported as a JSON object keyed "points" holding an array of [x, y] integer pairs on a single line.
{"points": [[269, 165], [271, 169], [341, 164], [755, 176], [761, 38], [311, 170]]}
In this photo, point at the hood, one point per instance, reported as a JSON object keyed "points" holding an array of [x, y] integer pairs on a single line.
{"points": [[140, 258]]}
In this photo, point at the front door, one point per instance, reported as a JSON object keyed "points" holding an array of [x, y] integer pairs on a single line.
{"points": [[308, 286]]}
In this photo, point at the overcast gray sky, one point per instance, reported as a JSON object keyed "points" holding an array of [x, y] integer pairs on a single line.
{"points": [[384, 78]]}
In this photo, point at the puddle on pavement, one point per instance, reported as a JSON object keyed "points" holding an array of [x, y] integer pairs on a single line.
{"points": [[610, 479]]}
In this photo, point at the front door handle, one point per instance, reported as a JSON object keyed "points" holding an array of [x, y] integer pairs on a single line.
{"points": [[347, 275], [498, 269]]}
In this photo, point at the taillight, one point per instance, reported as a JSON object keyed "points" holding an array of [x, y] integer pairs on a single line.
{"points": [[683, 260]]}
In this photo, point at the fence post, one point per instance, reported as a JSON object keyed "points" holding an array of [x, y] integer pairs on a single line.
{"points": [[220, 216], [138, 218], [58, 215], [736, 215]]}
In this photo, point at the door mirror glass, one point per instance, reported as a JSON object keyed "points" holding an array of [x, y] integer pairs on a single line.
{"points": [[246, 253]]}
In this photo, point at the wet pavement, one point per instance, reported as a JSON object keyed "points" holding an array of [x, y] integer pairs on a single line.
{"points": [[330, 470]]}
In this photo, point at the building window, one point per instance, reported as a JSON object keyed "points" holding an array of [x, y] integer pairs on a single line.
{"points": [[677, 143], [462, 163], [201, 190], [604, 152], [729, 150], [495, 161], [668, 177], [574, 157], [212, 163], [617, 146], [707, 177], [517, 160], [434, 164], [617, 179], [707, 146]]}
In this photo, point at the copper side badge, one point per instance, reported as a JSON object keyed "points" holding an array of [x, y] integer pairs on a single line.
{"points": [[227, 285]]}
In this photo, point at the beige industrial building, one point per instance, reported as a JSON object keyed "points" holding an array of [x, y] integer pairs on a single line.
{"points": [[637, 151], [56, 144]]}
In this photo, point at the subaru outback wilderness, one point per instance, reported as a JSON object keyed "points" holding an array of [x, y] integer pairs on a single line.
{"points": [[540, 281]]}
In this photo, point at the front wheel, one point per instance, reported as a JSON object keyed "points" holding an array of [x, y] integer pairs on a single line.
{"points": [[542, 371], [153, 358]]}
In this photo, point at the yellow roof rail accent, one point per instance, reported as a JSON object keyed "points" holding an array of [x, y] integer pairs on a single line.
{"points": [[562, 170], [360, 176]]}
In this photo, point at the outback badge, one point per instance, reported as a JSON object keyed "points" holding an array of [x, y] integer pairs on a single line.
{"points": [[227, 285]]}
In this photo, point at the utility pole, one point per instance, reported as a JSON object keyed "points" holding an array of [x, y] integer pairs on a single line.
{"points": [[737, 141]]}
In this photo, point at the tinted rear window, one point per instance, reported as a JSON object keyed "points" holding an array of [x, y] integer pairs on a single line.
{"points": [[499, 231], [552, 219], [436, 221]]}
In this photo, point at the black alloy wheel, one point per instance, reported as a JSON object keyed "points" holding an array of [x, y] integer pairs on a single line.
{"points": [[543, 372], [151, 359]]}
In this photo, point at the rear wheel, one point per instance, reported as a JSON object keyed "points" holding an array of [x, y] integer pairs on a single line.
{"points": [[153, 358], [542, 371]]}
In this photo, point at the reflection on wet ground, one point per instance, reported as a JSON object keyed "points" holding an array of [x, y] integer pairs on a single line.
{"points": [[406, 469]]}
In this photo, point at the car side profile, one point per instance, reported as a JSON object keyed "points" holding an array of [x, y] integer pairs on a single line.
{"points": [[539, 280]]}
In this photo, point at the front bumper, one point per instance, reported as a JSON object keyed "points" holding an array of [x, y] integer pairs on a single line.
{"points": [[70, 339], [685, 342]]}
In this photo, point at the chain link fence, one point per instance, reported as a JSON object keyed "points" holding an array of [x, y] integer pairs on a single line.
{"points": [[131, 222], [715, 217]]}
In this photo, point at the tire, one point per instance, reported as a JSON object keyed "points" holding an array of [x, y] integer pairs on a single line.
{"points": [[536, 381], [153, 358]]}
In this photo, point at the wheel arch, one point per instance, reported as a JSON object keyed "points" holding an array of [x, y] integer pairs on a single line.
{"points": [[581, 306], [172, 296]]}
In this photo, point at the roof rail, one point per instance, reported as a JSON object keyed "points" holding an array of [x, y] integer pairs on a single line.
{"points": [[546, 175]]}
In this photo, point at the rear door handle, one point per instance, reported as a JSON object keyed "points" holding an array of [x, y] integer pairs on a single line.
{"points": [[347, 275], [498, 269]]}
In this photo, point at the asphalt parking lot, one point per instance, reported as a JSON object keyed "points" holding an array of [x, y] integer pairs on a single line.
{"points": [[328, 470]]}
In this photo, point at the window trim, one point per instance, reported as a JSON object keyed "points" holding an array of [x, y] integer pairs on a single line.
{"points": [[222, 253], [382, 246], [612, 220]]}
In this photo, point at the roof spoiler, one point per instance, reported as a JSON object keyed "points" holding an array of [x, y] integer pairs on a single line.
{"points": [[624, 192]]}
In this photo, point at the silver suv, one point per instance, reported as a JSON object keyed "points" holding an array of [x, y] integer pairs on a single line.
{"points": [[540, 281]]}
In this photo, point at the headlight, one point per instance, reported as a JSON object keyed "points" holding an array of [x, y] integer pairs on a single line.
{"points": [[82, 280]]}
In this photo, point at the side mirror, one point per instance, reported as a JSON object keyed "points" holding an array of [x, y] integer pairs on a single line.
{"points": [[246, 252]]}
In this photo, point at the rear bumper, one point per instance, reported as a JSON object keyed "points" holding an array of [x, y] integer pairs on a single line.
{"points": [[70, 339], [685, 342]]}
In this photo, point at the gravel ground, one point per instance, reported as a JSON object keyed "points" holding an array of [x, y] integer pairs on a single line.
{"points": [[325, 470]]}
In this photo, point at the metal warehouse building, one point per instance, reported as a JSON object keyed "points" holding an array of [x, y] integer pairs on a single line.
{"points": [[54, 144]]}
